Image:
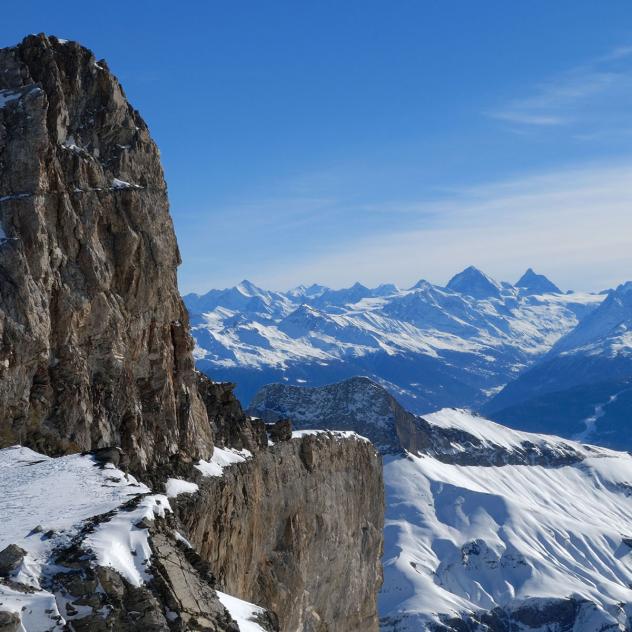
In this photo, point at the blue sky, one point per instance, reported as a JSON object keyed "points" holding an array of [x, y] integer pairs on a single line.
{"points": [[378, 141]]}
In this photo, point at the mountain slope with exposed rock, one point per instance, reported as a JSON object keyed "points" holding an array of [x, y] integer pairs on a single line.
{"points": [[582, 388], [487, 529], [217, 527]]}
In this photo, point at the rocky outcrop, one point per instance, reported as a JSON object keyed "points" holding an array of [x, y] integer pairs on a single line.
{"points": [[357, 404], [10, 559], [360, 405], [94, 339], [288, 530], [180, 596], [231, 427], [532, 615], [9, 622]]}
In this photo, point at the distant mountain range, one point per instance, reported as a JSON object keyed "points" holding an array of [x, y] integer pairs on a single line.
{"points": [[487, 528], [431, 346], [582, 388]]}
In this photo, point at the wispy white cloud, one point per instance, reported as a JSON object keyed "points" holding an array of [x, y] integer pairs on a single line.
{"points": [[525, 118], [620, 52], [572, 224], [587, 94]]}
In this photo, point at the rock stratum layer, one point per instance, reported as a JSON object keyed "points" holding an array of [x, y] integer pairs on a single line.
{"points": [[94, 341]]}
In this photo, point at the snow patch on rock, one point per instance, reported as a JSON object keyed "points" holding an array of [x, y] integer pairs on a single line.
{"points": [[176, 486], [221, 459], [242, 612]]}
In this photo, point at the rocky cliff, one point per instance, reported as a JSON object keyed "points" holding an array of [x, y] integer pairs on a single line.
{"points": [[95, 355], [483, 530], [289, 530], [94, 341], [362, 406], [357, 404]]}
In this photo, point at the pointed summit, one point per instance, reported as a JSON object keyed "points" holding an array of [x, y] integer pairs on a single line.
{"points": [[475, 283], [248, 288], [532, 283], [422, 284]]}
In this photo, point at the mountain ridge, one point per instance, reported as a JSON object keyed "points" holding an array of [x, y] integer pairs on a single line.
{"points": [[581, 387], [431, 345]]}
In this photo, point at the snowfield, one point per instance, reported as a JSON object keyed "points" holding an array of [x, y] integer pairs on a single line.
{"points": [[466, 539], [46, 502]]}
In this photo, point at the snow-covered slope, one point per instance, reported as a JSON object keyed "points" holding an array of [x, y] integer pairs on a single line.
{"points": [[430, 346], [52, 505], [583, 386], [529, 545], [606, 331]]}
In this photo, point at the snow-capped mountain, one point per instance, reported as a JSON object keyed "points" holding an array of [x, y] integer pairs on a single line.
{"points": [[582, 387], [431, 346], [514, 547], [532, 283], [487, 528], [244, 297], [473, 282]]}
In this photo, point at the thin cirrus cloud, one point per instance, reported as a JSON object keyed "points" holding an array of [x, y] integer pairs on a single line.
{"points": [[596, 94], [571, 224]]}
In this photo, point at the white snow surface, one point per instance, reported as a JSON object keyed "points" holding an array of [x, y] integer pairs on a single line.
{"points": [[176, 486], [338, 434], [491, 433], [465, 538], [221, 459], [39, 494], [242, 612], [121, 184], [607, 331], [119, 543]]}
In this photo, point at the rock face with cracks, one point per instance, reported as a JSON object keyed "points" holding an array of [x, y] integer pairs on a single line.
{"points": [[94, 340], [298, 529]]}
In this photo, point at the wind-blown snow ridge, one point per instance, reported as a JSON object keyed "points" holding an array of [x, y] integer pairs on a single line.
{"points": [[337, 434], [493, 434]]}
